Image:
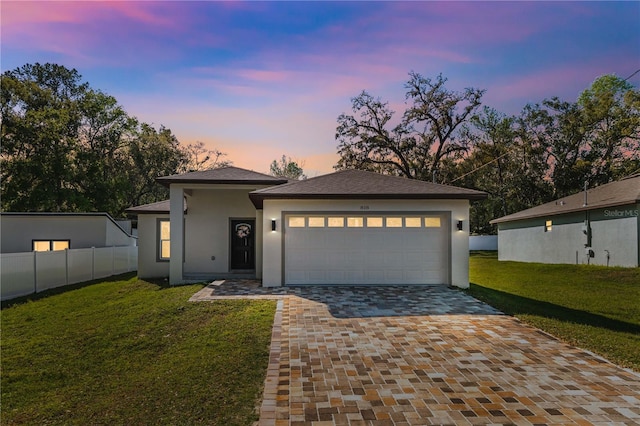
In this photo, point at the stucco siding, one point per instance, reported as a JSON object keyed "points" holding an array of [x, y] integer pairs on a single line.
{"points": [[82, 231], [148, 264], [273, 241], [207, 228], [115, 236], [613, 231]]}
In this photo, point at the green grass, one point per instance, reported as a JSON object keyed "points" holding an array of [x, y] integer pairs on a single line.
{"points": [[127, 351], [593, 307]]}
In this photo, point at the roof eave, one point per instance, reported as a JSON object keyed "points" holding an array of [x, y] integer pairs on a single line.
{"points": [[506, 219], [258, 197], [167, 181]]}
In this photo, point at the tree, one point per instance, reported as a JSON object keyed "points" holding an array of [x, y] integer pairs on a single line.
{"points": [[152, 153], [507, 163], [101, 158], [420, 143], [40, 124], [611, 115], [594, 140], [67, 147], [287, 168], [198, 157]]}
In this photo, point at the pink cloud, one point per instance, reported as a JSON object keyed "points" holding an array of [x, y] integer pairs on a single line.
{"points": [[93, 32]]}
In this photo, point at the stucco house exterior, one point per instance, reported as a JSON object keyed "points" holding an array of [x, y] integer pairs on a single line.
{"points": [[600, 227], [347, 227], [49, 231]]}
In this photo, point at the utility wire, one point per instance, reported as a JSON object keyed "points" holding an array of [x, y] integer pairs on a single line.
{"points": [[636, 72], [480, 167]]}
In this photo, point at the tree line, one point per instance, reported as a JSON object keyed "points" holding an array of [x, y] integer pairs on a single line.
{"points": [[67, 147], [546, 152]]}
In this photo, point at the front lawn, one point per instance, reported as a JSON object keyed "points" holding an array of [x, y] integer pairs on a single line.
{"points": [[594, 307], [133, 352]]}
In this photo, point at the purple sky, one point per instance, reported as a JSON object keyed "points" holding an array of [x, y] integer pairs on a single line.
{"points": [[261, 79]]}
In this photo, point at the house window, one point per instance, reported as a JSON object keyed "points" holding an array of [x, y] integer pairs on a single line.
{"points": [[164, 242], [50, 245], [548, 225]]}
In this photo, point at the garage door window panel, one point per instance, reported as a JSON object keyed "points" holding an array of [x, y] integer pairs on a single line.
{"points": [[413, 222], [393, 222], [374, 222], [355, 222], [296, 222], [335, 222], [316, 222], [432, 222]]}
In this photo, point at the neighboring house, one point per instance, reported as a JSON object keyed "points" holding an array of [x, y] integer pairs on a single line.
{"points": [[348, 227], [601, 227], [25, 232]]}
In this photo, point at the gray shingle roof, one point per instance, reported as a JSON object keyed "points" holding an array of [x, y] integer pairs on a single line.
{"points": [[223, 175], [157, 208], [619, 193], [358, 184]]}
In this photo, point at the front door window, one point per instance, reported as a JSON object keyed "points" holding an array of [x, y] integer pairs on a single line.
{"points": [[243, 244]]}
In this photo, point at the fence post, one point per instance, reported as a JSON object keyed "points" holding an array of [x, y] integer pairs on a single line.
{"points": [[35, 272], [93, 263], [66, 266], [113, 259]]}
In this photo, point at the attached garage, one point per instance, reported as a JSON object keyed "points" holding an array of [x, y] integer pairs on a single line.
{"points": [[347, 248], [361, 228]]}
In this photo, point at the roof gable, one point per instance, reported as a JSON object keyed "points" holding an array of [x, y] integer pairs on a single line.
{"points": [[625, 191], [359, 184], [223, 175]]}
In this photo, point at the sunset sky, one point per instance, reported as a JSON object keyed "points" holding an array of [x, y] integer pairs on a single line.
{"points": [[261, 79]]}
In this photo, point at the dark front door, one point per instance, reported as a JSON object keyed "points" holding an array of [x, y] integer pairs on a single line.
{"points": [[243, 253]]}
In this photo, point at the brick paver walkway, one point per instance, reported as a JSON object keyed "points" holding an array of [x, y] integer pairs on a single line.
{"points": [[425, 355]]}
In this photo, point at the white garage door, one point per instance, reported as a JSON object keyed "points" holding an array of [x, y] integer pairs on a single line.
{"points": [[366, 249]]}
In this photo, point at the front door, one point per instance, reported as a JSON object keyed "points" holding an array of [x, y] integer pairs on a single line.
{"points": [[243, 253]]}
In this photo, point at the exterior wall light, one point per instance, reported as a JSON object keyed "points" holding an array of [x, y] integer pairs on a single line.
{"points": [[459, 225], [273, 225]]}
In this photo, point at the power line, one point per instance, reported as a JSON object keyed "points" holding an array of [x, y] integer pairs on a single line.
{"points": [[636, 72], [480, 167]]}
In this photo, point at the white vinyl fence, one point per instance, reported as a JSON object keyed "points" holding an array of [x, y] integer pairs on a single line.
{"points": [[32, 272]]}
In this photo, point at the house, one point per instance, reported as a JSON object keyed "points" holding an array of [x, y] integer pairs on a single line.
{"points": [[600, 226], [347, 227], [25, 232]]}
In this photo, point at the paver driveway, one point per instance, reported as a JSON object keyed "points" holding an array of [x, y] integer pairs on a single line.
{"points": [[425, 355]]}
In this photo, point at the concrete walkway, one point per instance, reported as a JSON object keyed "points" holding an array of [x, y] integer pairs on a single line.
{"points": [[425, 355]]}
